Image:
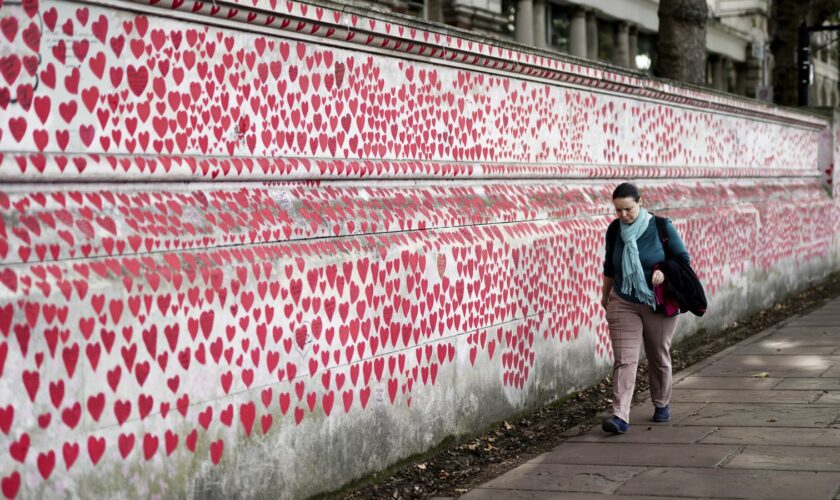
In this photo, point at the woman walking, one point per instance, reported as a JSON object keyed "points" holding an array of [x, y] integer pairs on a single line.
{"points": [[634, 249]]}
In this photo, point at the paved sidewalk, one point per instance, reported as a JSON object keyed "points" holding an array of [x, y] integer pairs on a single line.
{"points": [[760, 419]]}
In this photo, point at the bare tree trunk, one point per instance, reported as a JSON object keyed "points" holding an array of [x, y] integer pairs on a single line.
{"points": [[682, 40], [784, 25]]}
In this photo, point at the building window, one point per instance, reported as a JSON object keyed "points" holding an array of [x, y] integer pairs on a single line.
{"points": [[407, 7], [509, 13], [645, 52], [561, 20], [606, 39]]}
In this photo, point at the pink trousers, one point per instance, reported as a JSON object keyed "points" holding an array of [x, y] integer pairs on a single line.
{"points": [[631, 324]]}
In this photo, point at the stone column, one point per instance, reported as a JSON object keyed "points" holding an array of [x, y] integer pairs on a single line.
{"points": [[433, 10], [633, 47], [730, 82], [591, 36], [540, 35], [577, 34], [824, 90], [525, 22], [752, 77], [621, 47], [814, 92], [823, 40]]}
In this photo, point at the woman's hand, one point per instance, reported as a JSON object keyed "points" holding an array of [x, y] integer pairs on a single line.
{"points": [[605, 291], [658, 278]]}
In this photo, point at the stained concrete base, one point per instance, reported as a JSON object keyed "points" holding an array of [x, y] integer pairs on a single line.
{"points": [[758, 420]]}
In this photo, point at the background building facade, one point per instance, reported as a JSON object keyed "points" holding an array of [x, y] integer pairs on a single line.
{"points": [[825, 76], [623, 32]]}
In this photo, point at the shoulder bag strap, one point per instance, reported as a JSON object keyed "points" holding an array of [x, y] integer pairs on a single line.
{"points": [[661, 228]]}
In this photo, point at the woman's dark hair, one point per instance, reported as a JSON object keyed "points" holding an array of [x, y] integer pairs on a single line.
{"points": [[627, 190]]}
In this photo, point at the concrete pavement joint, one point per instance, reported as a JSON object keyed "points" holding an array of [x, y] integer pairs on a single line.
{"points": [[830, 367], [698, 441], [728, 458], [819, 396]]}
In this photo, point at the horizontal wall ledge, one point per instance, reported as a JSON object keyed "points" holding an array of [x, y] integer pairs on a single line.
{"points": [[75, 168]]}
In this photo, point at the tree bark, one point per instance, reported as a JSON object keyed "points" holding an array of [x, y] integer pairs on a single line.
{"points": [[681, 45], [784, 25]]}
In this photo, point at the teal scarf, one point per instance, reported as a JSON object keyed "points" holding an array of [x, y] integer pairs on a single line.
{"points": [[633, 276]]}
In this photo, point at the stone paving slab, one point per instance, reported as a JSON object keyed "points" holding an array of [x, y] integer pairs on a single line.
{"points": [[788, 348], [561, 477], [788, 436], [745, 396], [774, 366], [764, 415], [830, 305], [807, 384], [497, 494], [642, 414], [832, 397], [819, 335], [826, 320], [638, 454], [653, 433], [822, 314], [737, 383], [783, 343], [734, 483], [833, 306], [787, 458]]}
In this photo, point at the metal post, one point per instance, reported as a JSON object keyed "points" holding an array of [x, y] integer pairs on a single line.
{"points": [[803, 64]]}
